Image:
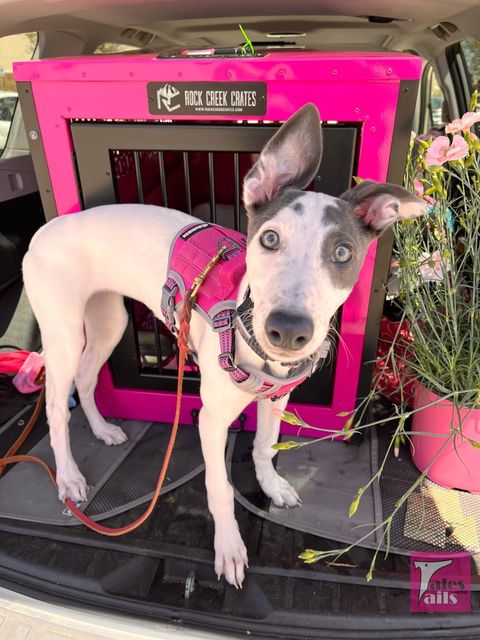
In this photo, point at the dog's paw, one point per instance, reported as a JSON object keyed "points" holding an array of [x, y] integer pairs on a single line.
{"points": [[279, 490], [110, 434], [230, 555], [72, 485]]}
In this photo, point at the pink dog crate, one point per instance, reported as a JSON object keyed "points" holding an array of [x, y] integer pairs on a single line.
{"points": [[182, 132]]}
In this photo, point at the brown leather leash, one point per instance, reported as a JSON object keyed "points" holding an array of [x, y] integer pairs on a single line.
{"points": [[182, 342]]}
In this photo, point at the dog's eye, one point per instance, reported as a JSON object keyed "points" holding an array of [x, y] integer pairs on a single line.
{"points": [[342, 254], [270, 240]]}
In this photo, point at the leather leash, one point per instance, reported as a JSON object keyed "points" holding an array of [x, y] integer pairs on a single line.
{"points": [[182, 341]]}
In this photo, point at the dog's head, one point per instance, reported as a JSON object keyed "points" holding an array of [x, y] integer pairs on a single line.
{"points": [[305, 249]]}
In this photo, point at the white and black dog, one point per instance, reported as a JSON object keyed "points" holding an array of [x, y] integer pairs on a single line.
{"points": [[304, 254]]}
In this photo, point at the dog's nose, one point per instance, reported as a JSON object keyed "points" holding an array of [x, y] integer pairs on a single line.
{"points": [[287, 331]]}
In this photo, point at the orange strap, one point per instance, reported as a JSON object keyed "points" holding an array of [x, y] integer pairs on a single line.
{"points": [[182, 341], [91, 524], [108, 531], [26, 432]]}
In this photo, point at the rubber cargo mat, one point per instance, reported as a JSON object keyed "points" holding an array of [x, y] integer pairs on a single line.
{"points": [[327, 476], [120, 477]]}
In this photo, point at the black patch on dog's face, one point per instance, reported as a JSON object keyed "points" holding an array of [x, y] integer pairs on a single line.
{"points": [[297, 207], [346, 230], [269, 209]]}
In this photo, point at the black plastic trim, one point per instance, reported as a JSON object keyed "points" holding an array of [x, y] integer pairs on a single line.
{"points": [[276, 624]]}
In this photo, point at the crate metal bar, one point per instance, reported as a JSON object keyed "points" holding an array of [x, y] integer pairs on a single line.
{"points": [[158, 346], [186, 172], [163, 180], [211, 184], [236, 194], [138, 173]]}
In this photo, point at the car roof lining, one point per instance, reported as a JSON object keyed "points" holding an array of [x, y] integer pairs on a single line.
{"points": [[328, 24]]}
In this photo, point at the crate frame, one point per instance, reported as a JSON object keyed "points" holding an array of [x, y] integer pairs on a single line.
{"points": [[375, 92]]}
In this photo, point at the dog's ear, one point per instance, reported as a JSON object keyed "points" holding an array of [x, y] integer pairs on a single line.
{"points": [[290, 158], [379, 204]]}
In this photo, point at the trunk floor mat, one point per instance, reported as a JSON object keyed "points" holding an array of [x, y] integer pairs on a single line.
{"points": [[327, 476], [121, 477]]}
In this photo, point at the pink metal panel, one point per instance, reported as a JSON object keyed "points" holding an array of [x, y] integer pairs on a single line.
{"points": [[355, 88]]}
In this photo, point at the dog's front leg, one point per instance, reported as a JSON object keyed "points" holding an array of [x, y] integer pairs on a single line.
{"points": [[218, 412], [268, 426]]}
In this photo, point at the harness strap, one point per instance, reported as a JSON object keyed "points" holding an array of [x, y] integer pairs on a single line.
{"points": [[169, 291], [223, 323]]}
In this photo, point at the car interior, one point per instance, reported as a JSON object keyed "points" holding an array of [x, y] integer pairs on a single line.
{"points": [[164, 570]]}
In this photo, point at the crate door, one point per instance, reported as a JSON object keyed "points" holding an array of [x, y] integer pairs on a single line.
{"points": [[198, 169]]}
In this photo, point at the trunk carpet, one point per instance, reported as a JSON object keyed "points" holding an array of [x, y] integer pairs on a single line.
{"points": [[327, 476], [120, 477]]}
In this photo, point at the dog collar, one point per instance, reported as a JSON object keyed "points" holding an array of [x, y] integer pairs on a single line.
{"points": [[244, 311]]}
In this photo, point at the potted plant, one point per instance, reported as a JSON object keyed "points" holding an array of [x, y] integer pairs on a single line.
{"points": [[438, 260], [433, 345]]}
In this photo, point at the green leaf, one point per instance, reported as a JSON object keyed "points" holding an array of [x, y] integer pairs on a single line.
{"points": [[291, 418], [283, 446], [308, 555], [369, 575], [343, 414], [347, 429], [353, 507], [473, 101], [357, 180], [474, 443]]}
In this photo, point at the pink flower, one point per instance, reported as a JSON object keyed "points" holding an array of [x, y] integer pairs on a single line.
{"points": [[467, 120], [419, 189], [441, 150], [454, 126], [433, 269]]}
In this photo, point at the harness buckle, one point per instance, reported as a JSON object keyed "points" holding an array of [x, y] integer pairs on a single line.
{"points": [[230, 250], [169, 291], [223, 322], [231, 364]]}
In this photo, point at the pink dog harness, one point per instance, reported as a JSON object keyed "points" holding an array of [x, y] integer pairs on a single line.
{"points": [[191, 250]]}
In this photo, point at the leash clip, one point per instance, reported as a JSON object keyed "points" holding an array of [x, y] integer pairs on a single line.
{"points": [[197, 283]]}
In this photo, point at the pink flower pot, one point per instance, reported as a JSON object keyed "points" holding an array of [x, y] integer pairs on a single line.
{"points": [[458, 464]]}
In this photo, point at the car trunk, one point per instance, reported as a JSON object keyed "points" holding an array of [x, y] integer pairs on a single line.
{"points": [[164, 569]]}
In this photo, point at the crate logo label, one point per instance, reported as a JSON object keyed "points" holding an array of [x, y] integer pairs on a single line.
{"points": [[207, 98], [440, 582], [165, 96]]}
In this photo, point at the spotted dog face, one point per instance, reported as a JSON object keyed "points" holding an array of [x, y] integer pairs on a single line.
{"points": [[305, 249]]}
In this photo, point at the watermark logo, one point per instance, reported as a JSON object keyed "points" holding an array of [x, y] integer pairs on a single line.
{"points": [[165, 96], [439, 582]]}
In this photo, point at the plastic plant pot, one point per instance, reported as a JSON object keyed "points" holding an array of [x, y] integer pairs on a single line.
{"points": [[457, 465]]}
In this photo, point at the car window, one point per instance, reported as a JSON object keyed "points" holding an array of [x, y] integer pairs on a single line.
{"points": [[114, 47], [471, 52], [433, 112], [12, 48], [436, 104]]}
